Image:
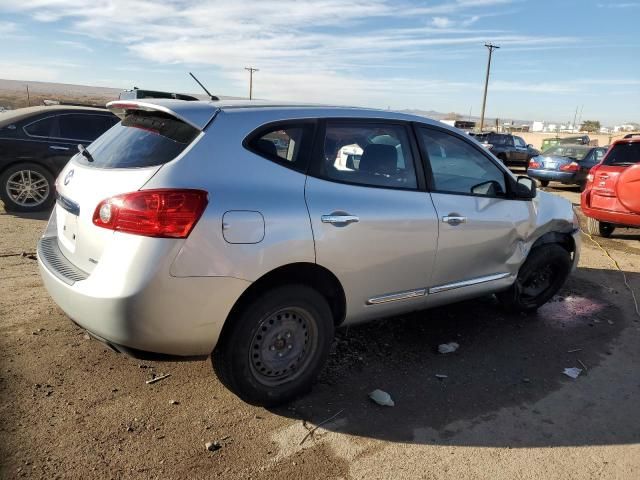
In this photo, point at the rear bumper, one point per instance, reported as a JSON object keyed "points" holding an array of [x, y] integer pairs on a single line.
{"points": [[154, 313], [554, 176], [616, 218], [623, 219]]}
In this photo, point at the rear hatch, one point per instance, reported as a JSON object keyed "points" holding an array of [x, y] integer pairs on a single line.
{"points": [[120, 161], [607, 181]]}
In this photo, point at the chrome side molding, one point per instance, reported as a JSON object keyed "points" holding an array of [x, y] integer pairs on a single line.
{"points": [[468, 283], [394, 297]]}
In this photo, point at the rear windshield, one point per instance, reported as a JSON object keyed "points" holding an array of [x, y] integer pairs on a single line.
{"points": [[572, 152], [142, 139], [623, 154]]}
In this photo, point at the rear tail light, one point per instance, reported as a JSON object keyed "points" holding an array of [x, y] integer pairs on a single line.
{"points": [[570, 167], [533, 164], [167, 213]]}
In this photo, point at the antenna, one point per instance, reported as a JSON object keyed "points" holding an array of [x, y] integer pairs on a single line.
{"points": [[213, 97]]}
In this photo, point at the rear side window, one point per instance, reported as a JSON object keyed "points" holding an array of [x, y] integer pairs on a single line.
{"points": [[375, 155], [42, 128], [142, 139], [85, 127], [623, 154]]}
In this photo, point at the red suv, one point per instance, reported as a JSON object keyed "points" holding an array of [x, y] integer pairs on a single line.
{"points": [[612, 195]]}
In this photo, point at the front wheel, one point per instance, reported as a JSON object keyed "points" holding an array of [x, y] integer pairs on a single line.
{"points": [[274, 348], [27, 187], [540, 277], [544, 183]]}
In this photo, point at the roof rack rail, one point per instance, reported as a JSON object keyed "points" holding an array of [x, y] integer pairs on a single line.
{"points": [[631, 135]]}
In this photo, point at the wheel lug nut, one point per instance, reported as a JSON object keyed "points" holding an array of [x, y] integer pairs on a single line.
{"points": [[272, 348], [289, 347]]}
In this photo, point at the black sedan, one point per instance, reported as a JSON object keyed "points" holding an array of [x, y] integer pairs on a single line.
{"points": [[36, 143]]}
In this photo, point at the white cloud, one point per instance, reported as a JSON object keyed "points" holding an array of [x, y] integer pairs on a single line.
{"points": [[316, 50], [76, 45], [441, 22]]}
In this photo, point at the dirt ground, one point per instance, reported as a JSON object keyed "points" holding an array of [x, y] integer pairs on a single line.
{"points": [[72, 408]]}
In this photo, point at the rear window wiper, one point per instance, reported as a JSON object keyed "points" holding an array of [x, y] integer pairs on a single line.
{"points": [[85, 153]]}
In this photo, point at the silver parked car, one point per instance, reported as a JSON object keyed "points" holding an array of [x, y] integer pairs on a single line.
{"points": [[250, 231]]}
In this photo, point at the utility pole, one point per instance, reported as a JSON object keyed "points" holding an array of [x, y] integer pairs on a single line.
{"points": [[251, 70], [573, 126], [28, 97], [491, 48]]}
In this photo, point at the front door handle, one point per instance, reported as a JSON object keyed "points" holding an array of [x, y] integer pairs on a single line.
{"points": [[340, 219], [56, 147], [454, 219]]}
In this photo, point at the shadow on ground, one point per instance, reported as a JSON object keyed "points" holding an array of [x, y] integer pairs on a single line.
{"points": [[42, 215], [504, 360]]}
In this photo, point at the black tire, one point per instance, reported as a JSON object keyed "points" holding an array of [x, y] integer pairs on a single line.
{"points": [[16, 176], [602, 229], [248, 353], [544, 183], [540, 277]]}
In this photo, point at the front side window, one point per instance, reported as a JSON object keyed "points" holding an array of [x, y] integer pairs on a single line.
{"points": [[376, 155], [458, 167], [519, 142]]}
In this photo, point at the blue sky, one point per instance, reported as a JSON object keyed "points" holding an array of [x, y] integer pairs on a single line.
{"points": [[554, 55]]}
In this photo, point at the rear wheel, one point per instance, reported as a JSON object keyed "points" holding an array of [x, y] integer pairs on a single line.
{"points": [[27, 187], [602, 229], [540, 277], [544, 183], [274, 348]]}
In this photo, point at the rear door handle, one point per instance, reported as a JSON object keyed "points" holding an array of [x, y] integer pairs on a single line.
{"points": [[56, 147], [340, 219], [454, 220]]}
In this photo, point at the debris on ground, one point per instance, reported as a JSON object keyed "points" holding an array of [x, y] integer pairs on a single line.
{"points": [[450, 347], [583, 365], [174, 402], [574, 350], [213, 446], [572, 372], [382, 398], [158, 378], [312, 430], [441, 376]]}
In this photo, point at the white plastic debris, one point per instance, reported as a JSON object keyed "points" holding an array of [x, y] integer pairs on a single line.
{"points": [[382, 398], [448, 347], [441, 376], [572, 372]]}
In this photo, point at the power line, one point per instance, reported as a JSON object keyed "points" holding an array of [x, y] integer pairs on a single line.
{"points": [[251, 70], [491, 48]]}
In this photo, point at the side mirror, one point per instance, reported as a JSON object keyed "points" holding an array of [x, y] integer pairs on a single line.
{"points": [[526, 188], [529, 145], [490, 188]]}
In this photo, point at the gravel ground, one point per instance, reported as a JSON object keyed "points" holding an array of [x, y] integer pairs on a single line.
{"points": [[72, 408]]}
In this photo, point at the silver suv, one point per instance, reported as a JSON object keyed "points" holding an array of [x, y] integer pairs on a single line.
{"points": [[249, 232]]}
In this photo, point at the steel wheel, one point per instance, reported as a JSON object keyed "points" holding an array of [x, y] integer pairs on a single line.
{"points": [[27, 188], [282, 346]]}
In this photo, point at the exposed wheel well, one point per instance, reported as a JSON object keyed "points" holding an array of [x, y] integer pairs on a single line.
{"points": [[309, 274], [565, 240]]}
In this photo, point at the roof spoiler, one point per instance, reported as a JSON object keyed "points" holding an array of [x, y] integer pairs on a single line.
{"points": [[631, 135], [196, 114]]}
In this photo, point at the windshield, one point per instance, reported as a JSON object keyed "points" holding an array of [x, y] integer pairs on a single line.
{"points": [[623, 154], [142, 139], [570, 151]]}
